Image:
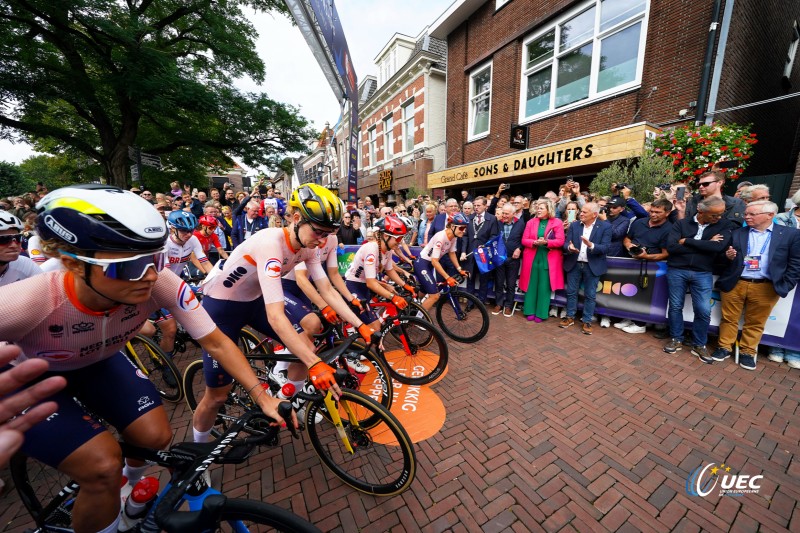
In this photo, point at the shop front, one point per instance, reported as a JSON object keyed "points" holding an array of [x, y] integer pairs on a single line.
{"points": [[387, 182]]}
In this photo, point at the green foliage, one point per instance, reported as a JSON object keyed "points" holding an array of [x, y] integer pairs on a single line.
{"points": [[94, 77], [641, 175], [12, 181], [60, 170]]}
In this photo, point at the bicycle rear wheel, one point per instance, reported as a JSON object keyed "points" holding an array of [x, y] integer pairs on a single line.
{"points": [[383, 462], [416, 352], [46, 493], [157, 366], [251, 516], [415, 309], [376, 382], [236, 404], [251, 343], [462, 316]]}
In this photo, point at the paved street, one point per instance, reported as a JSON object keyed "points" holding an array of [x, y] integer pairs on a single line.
{"points": [[551, 430]]}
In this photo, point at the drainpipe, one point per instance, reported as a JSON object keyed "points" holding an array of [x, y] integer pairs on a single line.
{"points": [[700, 114]]}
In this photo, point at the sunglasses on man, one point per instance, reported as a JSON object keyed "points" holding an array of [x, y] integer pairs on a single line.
{"points": [[128, 268], [5, 240]]}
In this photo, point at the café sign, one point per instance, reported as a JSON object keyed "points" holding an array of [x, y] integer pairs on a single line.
{"points": [[604, 147], [385, 180]]}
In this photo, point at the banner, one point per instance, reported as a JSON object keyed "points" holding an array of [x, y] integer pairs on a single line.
{"points": [[492, 255]]}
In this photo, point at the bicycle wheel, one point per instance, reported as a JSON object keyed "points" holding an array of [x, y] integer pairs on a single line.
{"points": [[416, 309], [157, 366], [251, 516], [46, 493], [462, 316], [416, 352], [251, 343], [238, 401], [383, 461], [375, 383]]}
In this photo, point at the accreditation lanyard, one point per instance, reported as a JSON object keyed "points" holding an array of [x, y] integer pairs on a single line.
{"points": [[753, 262]]}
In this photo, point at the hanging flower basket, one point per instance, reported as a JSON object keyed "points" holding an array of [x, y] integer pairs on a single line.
{"points": [[693, 150]]}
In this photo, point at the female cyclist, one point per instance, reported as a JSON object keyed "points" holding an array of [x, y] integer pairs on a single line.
{"points": [[182, 245], [111, 244], [429, 270], [206, 233]]}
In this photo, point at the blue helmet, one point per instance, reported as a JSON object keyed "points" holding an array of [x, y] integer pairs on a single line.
{"points": [[458, 220], [182, 220]]}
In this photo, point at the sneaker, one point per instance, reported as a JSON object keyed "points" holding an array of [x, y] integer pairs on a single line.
{"points": [[279, 378], [357, 366], [793, 363], [777, 357], [301, 415], [720, 354], [586, 329], [673, 346], [554, 312], [594, 318], [605, 322], [633, 328], [622, 324], [563, 313], [497, 310], [747, 361], [566, 322], [507, 312], [702, 353]]}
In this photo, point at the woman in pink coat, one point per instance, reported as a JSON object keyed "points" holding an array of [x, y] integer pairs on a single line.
{"points": [[541, 272]]}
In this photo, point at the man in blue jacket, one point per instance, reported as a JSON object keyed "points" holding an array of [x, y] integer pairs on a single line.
{"points": [[506, 275], [585, 249], [482, 227]]}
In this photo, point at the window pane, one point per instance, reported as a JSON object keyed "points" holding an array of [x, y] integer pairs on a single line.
{"points": [[619, 54], [612, 12], [480, 122], [408, 127], [541, 49], [538, 98], [573, 76], [480, 82], [577, 29]]}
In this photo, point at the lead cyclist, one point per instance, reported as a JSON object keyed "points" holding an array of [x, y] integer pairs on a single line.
{"points": [[111, 245]]}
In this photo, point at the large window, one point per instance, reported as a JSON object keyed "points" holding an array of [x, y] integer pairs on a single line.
{"points": [[593, 51], [408, 126], [371, 145], [388, 138], [480, 100]]}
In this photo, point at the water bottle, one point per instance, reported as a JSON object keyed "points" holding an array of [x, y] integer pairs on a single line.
{"points": [[143, 493], [287, 391]]}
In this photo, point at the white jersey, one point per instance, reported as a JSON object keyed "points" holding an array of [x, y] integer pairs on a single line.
{"points": [[22, 268], [326, 255], [438, 246], [256, 266], [180, 254], [270, 202], [53, 264], [35, 251], [365, 263]]}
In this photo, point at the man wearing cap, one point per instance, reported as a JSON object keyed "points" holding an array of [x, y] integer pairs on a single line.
{"points": [[613, 214]]}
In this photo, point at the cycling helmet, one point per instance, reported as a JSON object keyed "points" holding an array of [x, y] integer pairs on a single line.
{"points": [[317, 204], [182, 220], [208, 220], [458, 220], [9, 221], [96, 217], [392, 225], [408, 222]]}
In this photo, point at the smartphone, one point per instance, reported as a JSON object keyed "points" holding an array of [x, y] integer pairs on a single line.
{"points": [[571, 216], [729, 163], [680, 193]]}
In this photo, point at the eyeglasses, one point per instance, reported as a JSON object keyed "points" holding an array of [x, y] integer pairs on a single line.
{"points": [[758, 213], [706, 183], [126, 269], [321, 234], [5, 240], [146, 194], [459, 228]]}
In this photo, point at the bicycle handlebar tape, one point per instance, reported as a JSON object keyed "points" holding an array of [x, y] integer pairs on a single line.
{"points": [[399, 302], [285, 410], [329, 314], [366, 333], [321, 375]]}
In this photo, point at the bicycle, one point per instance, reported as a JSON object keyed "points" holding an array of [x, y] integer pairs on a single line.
{"points": [[147, 356], [357, 439], [49, 496]]}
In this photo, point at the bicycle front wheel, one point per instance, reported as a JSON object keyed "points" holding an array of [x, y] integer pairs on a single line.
{"points": [[251, 343], [46, 493], [375, 382], [415, 351], [157, 366], [462, 316], [242, 516], [382, 462], [236, 404]]}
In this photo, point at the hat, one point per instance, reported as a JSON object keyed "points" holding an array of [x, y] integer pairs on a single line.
{"points": [[136, 190], [616, 201]]}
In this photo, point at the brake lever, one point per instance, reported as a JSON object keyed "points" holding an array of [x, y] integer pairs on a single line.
{"points": [[285, 410]]}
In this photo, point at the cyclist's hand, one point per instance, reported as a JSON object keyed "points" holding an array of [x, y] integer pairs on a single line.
{"points": [[322, 377], [463, 272], [399, 302], [330, 315], [366, 333], [269, 406], [355, 302], [451, 281], [410, 289]]}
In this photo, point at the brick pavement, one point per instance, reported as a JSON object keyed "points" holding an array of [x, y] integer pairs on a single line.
{"points": [[551, 430]]}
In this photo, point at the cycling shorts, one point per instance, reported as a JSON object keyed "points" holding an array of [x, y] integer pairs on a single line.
{"points": [[427, 277], [295, 301], [362, 292], [113, 390]]}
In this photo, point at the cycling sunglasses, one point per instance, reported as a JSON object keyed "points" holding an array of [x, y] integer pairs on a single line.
{"points": [[6, 239], [126, 269], [322, 234]]}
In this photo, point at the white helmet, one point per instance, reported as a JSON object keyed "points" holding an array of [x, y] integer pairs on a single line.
{"points": [[9, 221]]}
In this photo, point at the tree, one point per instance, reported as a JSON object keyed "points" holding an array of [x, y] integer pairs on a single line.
{"points": [[12, 181], [60, 170], [95, 77], [641, 175]]}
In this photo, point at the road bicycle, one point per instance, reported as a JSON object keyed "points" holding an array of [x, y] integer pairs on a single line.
{"points": [[159, 368], [49, 495], [356, 437]]}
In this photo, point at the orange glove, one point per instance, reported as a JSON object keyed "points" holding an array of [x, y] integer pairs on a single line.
{"points": [[355, 302], [463, 273], [321, 375], [330, 315], [366, 333], [399, 302], [451, 281], [410, 289]]}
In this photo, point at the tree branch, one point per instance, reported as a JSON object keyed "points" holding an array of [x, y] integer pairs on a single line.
{"points": [[50, 131]]}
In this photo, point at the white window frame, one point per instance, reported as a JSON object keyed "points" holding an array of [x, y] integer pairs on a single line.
{"points": [[388, 137], [408, 118], [372, 140], [500, 3], [473, 98], [596, 40], [791, 54]]}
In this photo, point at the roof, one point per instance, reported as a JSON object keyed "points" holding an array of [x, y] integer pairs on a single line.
{"points": [[453, 16]]}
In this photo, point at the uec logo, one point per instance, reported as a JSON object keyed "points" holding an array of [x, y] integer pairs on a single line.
{"points": [[702, 481]]}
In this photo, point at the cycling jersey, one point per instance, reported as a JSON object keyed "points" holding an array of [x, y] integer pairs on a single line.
{"points": [[180, 254], [365, 263], [438, 246], [256, 266], [326, 255], [20, 269], [35, 251], [206, 242], [43, 316]]}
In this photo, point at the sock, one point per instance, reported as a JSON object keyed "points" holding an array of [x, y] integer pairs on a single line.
{"points": [[281, 366], [201, 436], [133, 473], [112, 527]]}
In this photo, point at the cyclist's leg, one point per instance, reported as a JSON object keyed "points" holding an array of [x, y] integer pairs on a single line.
{"points": [[427, 278], [148, 329], [166, 323]]}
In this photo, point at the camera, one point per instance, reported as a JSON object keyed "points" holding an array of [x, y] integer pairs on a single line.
{"points": [[665, 186], [604, 210], [636, 250], [620, 186]]}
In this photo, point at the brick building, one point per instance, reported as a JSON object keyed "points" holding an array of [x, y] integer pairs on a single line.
{"points": [[606, 74]]}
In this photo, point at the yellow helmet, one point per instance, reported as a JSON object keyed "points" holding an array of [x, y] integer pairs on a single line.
{"points": [[318, 204]]}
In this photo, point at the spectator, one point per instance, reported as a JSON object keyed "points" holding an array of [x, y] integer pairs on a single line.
{"points": [[570, 192], [506, 275], [230, 200], [693, 244], [215, 195], [466, 196], [359, 227], [791, 219], [443, 218], [177, 204], [226, 221], [347, 234], [612, 213], [542, 260], [192, 205], [202, 197], [468, 208], [634, 208], [520, 213], [248, 223], [586, 245], [425, 224], [20, 208], [754, 193], [709, 185], [13, 266], [147, 195], [764, 266], [739, 187], [482, 227], [175, 189]]}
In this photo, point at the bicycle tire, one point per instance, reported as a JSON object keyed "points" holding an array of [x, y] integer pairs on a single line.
{"points": [[416, 309], [251, 343], [377, 383], [388, 471], [236, 404], [415, 347], [157, 366], [254, 513], [43, 492], [456, 324]]}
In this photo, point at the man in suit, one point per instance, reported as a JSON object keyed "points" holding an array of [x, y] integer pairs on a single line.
{"points": [[764, 266], [482, 227], [585, 248], [506, 275]]}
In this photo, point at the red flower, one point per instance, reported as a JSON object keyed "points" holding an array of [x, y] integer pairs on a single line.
{"points": [[705, 153], [676, 162], [674, 141], [698, 171], [723, 148], [752, 135], [739, 170], [689, 150]]}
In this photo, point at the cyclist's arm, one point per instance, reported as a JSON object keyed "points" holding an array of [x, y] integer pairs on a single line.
{"points": [[338, 281], [455, 261], [378, 288], [297, 343], [335, 300], [202, 267], [394, 276], [221, 251], [301, 276], [401, 253], [439, 268], [199, 258]]}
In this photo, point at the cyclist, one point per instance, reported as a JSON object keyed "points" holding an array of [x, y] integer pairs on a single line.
{"points": [[13, 266], [373, 257], [247, 290], [111, 243], [427, 267], [182, 245], [206, 234]]}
